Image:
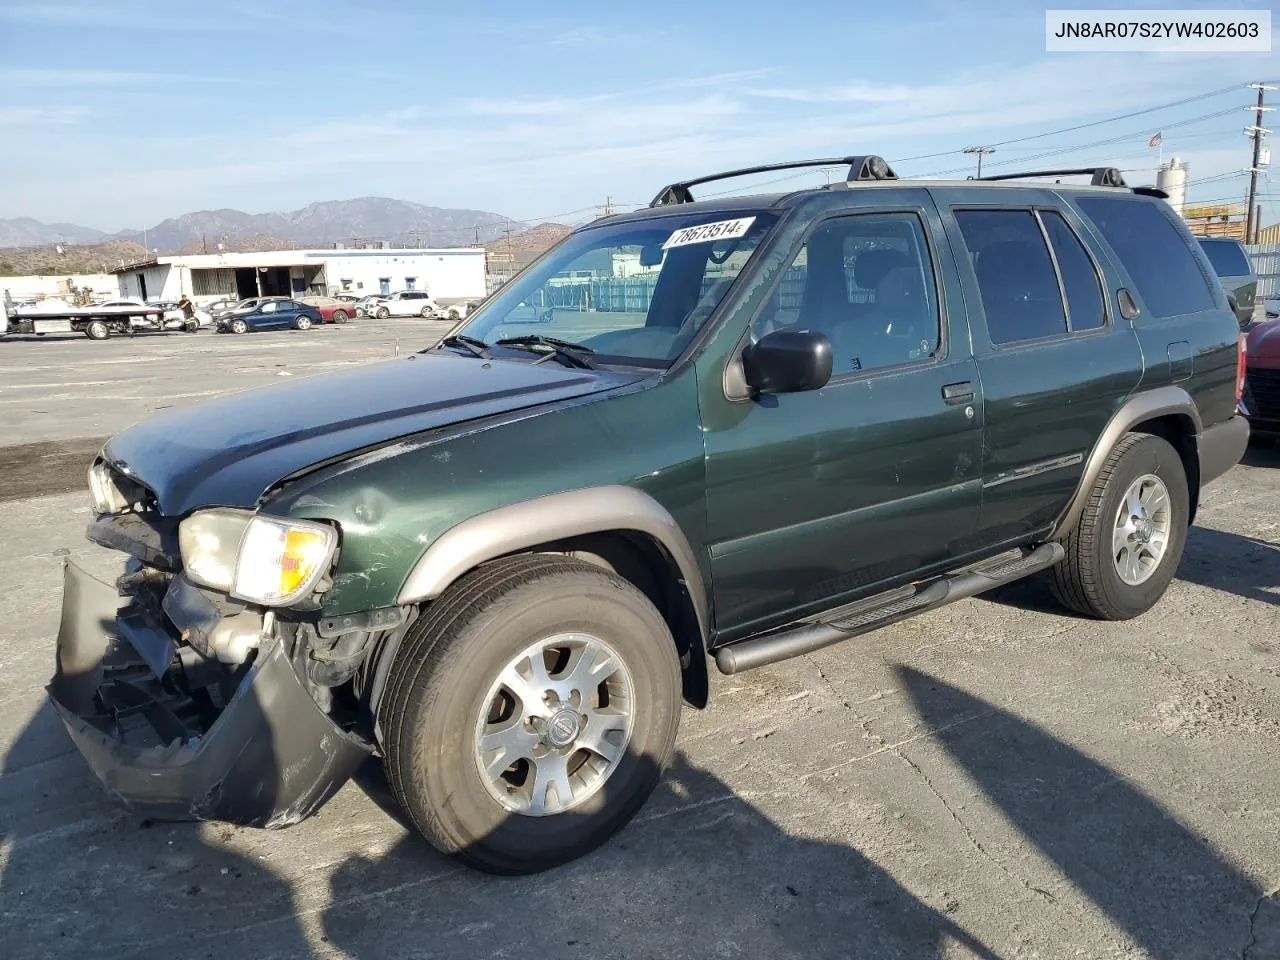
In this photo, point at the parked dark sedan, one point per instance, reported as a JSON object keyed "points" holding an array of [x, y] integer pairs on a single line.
{"points": [[271, 315], [1231, 262]]}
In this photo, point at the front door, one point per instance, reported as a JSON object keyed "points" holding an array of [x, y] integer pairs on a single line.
{"points": [[1055, 360], [818, 497]]}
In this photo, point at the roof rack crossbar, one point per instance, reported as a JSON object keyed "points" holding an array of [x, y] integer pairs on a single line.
{"points": [[860, 168], [1101, 176]]}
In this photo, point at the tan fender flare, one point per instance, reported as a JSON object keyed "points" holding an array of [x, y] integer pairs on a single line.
{"points": [[557, 516], [1139, 408]]}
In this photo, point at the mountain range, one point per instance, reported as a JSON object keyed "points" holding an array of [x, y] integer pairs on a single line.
{"points": [[318, 224]]}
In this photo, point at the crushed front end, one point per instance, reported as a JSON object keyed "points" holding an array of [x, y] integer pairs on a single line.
{"points": [[189, 702]]}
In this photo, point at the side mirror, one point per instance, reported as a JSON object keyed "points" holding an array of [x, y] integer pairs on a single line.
{"points": [[788, 361]]}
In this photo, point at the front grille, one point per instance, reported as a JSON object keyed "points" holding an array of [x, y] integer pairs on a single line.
{"points": [[1262, 393]]}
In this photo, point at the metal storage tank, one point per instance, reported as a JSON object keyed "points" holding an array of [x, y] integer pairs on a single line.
{"points": [[1172, 179]]}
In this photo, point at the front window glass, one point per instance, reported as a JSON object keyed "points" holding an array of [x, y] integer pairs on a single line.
{"points": [[632, 292], [866, 283]]}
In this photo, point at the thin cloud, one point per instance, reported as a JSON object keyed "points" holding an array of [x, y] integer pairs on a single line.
{"points": [[41, 116], [580, 35], [56, 78]]}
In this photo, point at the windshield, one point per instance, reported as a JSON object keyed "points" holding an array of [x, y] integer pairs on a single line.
{"points": [[633, 292]]}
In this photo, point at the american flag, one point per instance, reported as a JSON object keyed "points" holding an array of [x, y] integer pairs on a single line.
{"points": [[1155, 141]]}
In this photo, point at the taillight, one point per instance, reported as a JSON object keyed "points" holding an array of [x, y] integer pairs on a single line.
{"points": [[1241, 367]]}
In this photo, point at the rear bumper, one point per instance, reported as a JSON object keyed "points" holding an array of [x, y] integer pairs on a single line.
{"points": [[268, 758], [1221, 446]]}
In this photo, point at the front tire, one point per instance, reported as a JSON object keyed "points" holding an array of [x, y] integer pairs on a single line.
{"points": [[425, 313], [339, 316], [239, 326], [1126, 546], [383, 313], [529, 713]]}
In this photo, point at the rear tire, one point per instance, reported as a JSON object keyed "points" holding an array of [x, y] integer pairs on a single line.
{"points": [[1116, 567], [97, 330], [302, 323], [445, 697]]}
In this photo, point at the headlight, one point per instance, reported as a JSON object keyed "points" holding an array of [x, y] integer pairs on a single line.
{"points": [[209, 541], [105, 494], [267, 560]]}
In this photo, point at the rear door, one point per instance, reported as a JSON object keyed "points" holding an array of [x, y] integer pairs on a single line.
{"points": [[269, 316], [1055, 358], [288, 312]]}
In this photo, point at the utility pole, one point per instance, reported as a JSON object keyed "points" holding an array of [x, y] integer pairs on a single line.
{"points": [[1256, 132], [981, 152], [606, 208]]}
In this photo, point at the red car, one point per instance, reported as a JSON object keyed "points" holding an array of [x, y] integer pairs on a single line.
{"points": [[1261, 400], [332, 309]]}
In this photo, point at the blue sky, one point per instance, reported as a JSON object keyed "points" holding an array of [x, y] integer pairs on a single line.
{"points": [[116, 113]]}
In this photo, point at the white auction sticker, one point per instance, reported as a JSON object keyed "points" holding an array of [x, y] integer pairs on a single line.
{"points": [[706, 232]]}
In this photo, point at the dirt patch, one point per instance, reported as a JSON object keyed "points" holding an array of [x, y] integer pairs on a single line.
{"points": [[45, 468]]}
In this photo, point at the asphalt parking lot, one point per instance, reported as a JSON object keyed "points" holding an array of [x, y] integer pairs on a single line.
{"points": [[995, 779]]}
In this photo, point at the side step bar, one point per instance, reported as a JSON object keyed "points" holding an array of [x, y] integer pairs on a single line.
{"points": [[882, 610]]}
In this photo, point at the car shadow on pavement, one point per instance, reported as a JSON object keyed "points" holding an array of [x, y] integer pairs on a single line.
{"points": [[700, 872], [1159, 882], [1262, 453], [83, 876], [1232, 563]]}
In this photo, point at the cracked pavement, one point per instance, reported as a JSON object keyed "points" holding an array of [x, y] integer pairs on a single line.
{"points": [[994, 779]]}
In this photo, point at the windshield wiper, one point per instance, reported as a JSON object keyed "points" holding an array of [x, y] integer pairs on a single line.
{"points": [[575, 353], [477, 348]]}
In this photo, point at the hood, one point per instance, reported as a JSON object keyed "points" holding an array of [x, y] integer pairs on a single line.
{"points": [[1263, 345], [227, 451]]}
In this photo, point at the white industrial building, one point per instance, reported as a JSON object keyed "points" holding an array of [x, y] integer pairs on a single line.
{"points": [[97, 285], [449, 275]]}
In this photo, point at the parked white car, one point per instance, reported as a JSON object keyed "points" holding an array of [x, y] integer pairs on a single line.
{"points": [[406, 303]]}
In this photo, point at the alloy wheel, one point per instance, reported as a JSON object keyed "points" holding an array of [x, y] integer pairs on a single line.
{"points": [[555, 725]]}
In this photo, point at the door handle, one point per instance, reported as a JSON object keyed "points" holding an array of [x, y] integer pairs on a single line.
{"points": [[958, 392]]}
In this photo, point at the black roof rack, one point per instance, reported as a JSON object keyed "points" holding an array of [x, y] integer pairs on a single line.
{"points": [[867, 167], [1101, 176]]}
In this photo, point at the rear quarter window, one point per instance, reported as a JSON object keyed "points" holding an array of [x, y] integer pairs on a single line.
{"points": [[1166, 273], [1227, 257]]}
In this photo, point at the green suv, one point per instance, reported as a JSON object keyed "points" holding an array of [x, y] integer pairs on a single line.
{"points": [[727, 431]]}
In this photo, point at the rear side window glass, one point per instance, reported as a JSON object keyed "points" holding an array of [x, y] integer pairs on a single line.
{"points": [[1227, 258], [1085, 310], [1164, 270], [1016, 279]]}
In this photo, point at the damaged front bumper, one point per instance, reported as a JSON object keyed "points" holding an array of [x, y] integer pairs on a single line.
{"points": [[178, 736]]}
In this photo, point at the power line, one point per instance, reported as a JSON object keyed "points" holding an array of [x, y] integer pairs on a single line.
{"points": [[1071, 148], [1084, 126]]}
